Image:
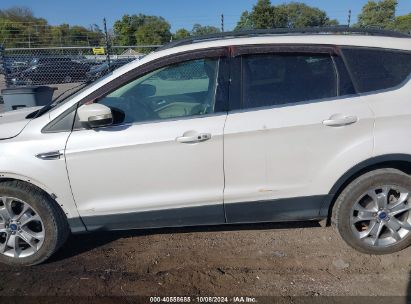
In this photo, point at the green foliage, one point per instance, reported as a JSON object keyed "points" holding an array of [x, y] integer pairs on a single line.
{"points": [[19, 28], [125, 29], [402, 24], [244, 23], [199, 30], [292, 15], [141, 29], [156, 31], [381, 14], [264, 15], [300, 15], [181, 34], [377, 14]]}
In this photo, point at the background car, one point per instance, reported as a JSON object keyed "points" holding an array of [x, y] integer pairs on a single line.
{"points": [[51, 70], [99, 70]]}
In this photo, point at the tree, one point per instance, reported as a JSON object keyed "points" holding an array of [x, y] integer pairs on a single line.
{"points": [[377, 14], [155, 30], [18, 14], [125, 29], [402, 24], [245, 22], [199, 30], [292, 15], [264, 15], [141, 29], [20, 28], [300, 15], [181, 34]]}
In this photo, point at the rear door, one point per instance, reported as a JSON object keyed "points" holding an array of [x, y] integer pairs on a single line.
{"points": [[298, 126]]}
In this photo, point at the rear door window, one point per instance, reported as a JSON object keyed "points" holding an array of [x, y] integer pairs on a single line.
{"points": [[279, 79], [377, 69]]}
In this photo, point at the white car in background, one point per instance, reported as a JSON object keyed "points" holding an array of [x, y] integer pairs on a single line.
{"points": [[233, 128]]}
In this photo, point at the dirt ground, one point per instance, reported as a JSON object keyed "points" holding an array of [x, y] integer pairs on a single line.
{"points": [[295, 259]]}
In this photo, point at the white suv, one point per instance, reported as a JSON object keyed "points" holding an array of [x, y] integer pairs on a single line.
{"points": [[228, 129]]}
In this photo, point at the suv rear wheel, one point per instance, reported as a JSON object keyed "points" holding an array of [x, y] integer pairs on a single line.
{"points": [[373, 213], [32, 226]]}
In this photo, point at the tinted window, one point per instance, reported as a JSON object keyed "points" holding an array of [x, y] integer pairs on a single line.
{"points": [[181, 90], [276, 79], [346, 87], [374, 69]]}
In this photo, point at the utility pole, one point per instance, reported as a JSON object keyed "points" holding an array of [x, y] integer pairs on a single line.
{"points": [[107, 44], [222, 22], [349, 18]]}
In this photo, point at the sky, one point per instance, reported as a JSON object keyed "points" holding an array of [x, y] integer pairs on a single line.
{"points": [[180, 13]]}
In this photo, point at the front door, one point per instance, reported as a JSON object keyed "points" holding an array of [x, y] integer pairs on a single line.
{"points": [[161, 163]]}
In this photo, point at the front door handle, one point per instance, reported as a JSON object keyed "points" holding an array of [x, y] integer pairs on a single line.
{"points": [[339, 120], [50, 155], [193, 138]]}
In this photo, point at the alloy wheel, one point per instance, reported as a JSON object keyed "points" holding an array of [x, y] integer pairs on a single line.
{"points": [[382, 216], [21, 228]]}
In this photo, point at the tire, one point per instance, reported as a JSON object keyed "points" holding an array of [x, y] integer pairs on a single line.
{"points": [[45, 218], [363, 199]]}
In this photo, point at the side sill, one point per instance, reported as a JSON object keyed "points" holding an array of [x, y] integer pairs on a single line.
{"points": [[278, 210], [76, 225]]}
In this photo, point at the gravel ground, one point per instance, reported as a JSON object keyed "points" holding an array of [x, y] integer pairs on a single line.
{"points": [[256, 260]]}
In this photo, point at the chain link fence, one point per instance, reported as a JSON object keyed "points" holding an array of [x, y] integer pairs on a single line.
{"points": [[63, 67]]}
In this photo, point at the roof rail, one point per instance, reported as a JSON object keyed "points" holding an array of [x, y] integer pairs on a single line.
{"points": [[284, 31]]}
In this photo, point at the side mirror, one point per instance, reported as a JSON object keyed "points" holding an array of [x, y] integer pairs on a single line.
{"points": [[95, 115]]}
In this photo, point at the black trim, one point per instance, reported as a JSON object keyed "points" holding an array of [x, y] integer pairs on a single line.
{"points": [[235, 97], [76, 225], [288, 209], [63, 123], [345, 83], [223, 86], [251, 49], [179, 217]]}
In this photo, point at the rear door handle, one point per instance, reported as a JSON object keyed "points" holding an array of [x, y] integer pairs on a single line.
{"points": [[338, 120], [194, 138]]}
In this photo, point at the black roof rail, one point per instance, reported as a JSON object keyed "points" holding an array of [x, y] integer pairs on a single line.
{"points": [[284, 31]]}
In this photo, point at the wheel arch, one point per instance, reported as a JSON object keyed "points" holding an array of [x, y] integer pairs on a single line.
{"points": [[76, 224], [400, 162]]}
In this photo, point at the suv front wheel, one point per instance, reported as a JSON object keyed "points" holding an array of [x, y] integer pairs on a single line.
{"points": [[32, 226], [373, 213]]}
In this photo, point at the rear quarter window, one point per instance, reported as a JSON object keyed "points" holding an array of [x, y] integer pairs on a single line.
{"points": [[377, 69]]}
